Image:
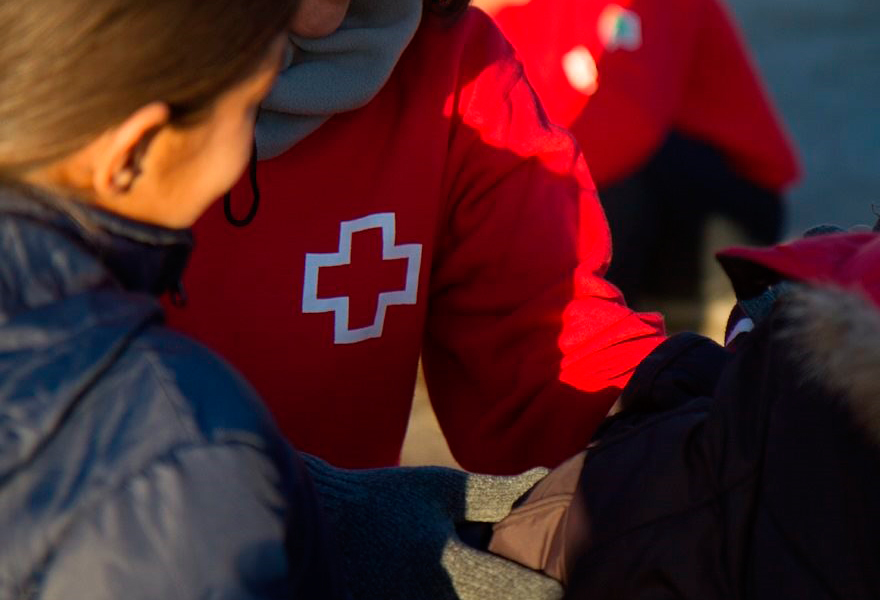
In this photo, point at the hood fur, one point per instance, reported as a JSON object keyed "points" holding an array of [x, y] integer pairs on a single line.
{"points": [[836, 334]]}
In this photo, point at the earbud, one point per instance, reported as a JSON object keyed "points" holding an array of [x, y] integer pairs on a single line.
{"points": [[124, 179]]}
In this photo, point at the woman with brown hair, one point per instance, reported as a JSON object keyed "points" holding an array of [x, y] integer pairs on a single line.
{"points": [[133, 462]]}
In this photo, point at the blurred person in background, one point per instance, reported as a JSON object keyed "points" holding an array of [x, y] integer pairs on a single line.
{"points": [[674, 123], [414, 200], [133, 462]]}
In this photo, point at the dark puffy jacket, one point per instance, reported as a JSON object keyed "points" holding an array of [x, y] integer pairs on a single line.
{"points": [[764, 485], [133, 463]]}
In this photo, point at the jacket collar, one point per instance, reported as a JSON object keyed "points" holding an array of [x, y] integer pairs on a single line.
{"points": [[53, 247]]}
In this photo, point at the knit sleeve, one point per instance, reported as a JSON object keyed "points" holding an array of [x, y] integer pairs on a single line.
{"points": [[527, 346]]}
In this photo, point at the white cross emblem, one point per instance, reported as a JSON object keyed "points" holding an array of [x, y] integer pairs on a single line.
{"points": [[339, 305]]}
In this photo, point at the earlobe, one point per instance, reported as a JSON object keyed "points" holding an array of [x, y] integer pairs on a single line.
{"points": [[120, 160]]}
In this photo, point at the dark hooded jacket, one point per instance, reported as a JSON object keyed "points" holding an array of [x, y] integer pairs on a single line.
{"points": [[133, 463], [753, 473], [745, 472]]}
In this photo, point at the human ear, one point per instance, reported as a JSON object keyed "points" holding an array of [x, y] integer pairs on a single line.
{"points": [[118, 163]]}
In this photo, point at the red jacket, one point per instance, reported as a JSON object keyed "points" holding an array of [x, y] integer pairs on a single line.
{"points": [[446, 218], [660, 65]]}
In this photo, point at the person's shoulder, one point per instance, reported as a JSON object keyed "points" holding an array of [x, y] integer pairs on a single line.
{"points": [[213, 402], [471, 38], [471, 23]]}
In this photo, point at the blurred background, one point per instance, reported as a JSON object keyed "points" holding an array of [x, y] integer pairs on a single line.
{"points": [[821, 62]]}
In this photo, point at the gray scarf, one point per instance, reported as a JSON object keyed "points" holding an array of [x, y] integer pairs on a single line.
{"points": [[337, 73]]}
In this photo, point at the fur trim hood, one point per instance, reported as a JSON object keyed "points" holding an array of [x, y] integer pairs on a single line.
{"points": [[835, 335], [830, 289]]}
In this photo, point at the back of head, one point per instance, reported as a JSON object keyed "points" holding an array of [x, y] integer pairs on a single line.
{"points": [[71, 69]]}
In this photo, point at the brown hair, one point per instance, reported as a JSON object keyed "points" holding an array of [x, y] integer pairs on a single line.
{"points": [[71, 69]]}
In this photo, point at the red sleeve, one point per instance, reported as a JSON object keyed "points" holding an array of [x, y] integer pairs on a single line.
{"points": [[724, 103], [527, 346]]}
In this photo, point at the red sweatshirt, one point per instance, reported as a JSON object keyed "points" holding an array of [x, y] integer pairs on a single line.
{"points": [[622, 74], [446, 218]]}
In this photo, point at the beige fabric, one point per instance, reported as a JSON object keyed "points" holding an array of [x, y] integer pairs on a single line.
{"points": [[545, 531]]}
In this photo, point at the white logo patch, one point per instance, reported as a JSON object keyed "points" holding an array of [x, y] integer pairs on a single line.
{"points": [[620, 28], [339, 305], [581, 70]]}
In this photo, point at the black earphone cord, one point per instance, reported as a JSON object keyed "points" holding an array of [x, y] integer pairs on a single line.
{"points": [[255, 189]]}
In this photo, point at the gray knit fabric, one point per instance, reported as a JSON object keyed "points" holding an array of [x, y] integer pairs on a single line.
{"points": [[396, 530], [336, 73], [759, 307]]}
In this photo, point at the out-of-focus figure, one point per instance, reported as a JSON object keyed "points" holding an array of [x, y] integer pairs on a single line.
{"points": [[673, 120]]}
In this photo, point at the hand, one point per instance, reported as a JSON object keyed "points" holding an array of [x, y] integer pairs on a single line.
{"points": [[317, 18], [396, 530]]}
